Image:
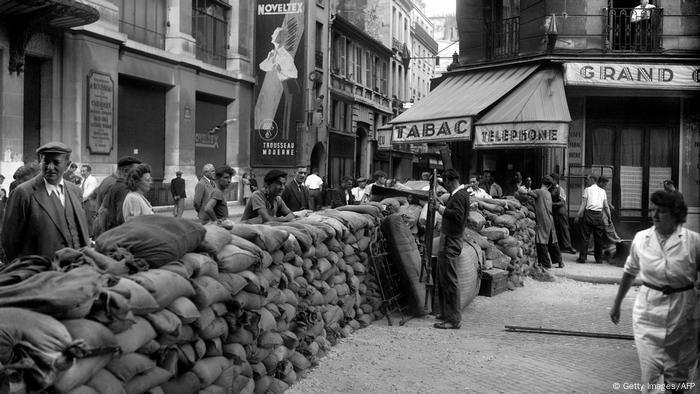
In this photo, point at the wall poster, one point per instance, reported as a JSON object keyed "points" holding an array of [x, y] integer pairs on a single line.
{"points": [[100, 113], [279, 29]]}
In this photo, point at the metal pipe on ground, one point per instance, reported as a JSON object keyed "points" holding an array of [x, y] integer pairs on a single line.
{"points": [[550, 331]]}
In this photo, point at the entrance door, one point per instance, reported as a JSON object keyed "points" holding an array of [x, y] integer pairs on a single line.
{"points": [[642, 157], [32, 108]]}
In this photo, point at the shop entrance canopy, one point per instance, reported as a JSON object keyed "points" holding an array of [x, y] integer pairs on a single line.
{"points": [[535, 114], [447, 113]]}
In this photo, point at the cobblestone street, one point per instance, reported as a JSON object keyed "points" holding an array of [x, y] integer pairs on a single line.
{"points": [[483, 358]]}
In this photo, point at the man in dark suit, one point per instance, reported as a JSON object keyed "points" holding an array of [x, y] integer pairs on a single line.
{"points": [[295, 193], [343, 195], [45, 213], [177, 189]]}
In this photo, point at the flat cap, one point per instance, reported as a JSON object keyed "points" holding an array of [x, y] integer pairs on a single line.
{"points": [[127, 160], [54, 147], [272, 175]]}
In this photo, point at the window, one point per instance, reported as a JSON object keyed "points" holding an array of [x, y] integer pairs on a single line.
{"points": [[358, 64], [368, 70], [339, 55], [143, 21], [342, 115], [319, 45], [349, 62], [383, 78], [210, 30], [375, 74]]}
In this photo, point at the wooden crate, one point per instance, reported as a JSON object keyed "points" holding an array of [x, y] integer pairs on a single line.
{"points": [[493, 282]]}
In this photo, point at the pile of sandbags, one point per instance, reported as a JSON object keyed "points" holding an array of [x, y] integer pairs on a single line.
{"points": [[246, 310], [505, 230]]}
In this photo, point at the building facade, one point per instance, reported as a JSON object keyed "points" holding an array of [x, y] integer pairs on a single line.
{"points": [[576, 88], [168, 81]]}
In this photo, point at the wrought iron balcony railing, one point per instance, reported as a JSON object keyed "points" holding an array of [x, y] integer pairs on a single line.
{"points": [[634, 29]]}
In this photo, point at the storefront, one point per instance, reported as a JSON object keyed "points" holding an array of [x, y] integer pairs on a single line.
{"points": [[637, 123]]}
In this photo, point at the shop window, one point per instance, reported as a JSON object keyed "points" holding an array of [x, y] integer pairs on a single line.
{"points": [[210, 29], [143, 21]]}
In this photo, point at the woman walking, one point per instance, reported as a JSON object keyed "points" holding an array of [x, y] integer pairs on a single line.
{"points": [[666, 257]]}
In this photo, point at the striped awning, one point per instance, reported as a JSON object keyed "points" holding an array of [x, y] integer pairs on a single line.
{"points": [[534, 114], [447, 113]]}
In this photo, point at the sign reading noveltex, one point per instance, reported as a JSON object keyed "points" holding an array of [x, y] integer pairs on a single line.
{"points": [[521, 135], [656, 76], [440, 130]]}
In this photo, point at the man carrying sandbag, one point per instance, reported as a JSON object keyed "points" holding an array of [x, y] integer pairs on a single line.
{"points": [[45, 214], [455, 214]]}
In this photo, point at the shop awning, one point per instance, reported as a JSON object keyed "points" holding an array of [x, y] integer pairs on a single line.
{"points": [[534, 114], [447, 113], [60, 14]]}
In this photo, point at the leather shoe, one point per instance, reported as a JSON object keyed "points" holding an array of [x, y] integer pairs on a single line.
{"points": [[571, 251], [581, 261], [447, 325]]}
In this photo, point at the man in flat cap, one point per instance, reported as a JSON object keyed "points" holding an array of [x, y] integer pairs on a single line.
{"points": [[177, 189], [110, 197], [45, 214], [266, 205]]}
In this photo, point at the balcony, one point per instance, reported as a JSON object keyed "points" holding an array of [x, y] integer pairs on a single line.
{"points": [[634, 30], [502, 38]]}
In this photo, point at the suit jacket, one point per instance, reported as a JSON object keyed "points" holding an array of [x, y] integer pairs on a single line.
{"points": [[202, 192], [31, 224], [296, 200], [338, 198], [177, 187]]}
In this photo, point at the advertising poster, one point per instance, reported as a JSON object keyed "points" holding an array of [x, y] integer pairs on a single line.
{"points": [[279, 58]]}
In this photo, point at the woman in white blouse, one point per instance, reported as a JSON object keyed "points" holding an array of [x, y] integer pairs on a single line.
{"points": [[139, 182]]}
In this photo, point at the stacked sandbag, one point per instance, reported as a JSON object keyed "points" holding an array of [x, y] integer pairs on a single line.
{"points": [[245, 310], [505, 230]]}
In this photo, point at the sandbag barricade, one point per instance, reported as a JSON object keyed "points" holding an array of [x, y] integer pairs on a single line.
{"points": [[248, 310]]}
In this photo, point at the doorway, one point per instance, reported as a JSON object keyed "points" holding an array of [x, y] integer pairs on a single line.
{"points": [[32, 108], [641, 147]]}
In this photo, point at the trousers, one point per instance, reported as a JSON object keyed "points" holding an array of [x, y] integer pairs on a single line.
{"points": [[447, 285]]}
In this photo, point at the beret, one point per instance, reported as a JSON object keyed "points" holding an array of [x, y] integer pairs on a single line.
{"points": [[54, 147], [127, 160], [272, 175]]}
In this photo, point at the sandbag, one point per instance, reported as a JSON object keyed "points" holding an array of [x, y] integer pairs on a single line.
{"points": [[476, 220], [363, 208], [233, 259], [469, 264], [63, 295], [141, 302], [158, 239], [142, 383], [201, 264], [187, 383], [43, 340], [404, 251], [136, 336], [266, 237], [185, 309], [80, 372], [209, 291], [233, 283], [506, 221], [105, 383], [165, 322], [165, 286], [494, 233], [215, 238], [209, 369], [129, 365]]}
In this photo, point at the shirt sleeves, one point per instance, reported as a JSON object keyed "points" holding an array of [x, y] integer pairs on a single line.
{"points": [[257, 201]]}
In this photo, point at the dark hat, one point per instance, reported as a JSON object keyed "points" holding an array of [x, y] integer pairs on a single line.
{"points": [[272, 175], [178, 172], [54, 147], [547, 180], [127, 160]]}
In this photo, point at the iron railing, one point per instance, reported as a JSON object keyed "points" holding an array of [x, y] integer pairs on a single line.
{"points": [[210, 31], [634, 29], [502, 38]]}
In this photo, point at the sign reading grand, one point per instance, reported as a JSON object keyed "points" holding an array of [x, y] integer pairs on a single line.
{"points": [[521, 135], [440, 130], [629, 75], [100, 113]]}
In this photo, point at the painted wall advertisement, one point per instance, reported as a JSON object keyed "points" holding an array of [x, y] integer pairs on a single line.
{"points": [[633, 75], [278, 115]]}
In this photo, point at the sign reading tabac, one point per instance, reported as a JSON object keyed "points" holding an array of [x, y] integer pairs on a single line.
{"points": [[100, 113], [521, 135], [440, 130], [630, 75]]}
